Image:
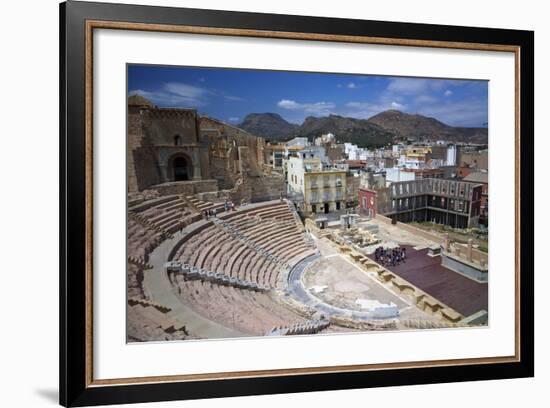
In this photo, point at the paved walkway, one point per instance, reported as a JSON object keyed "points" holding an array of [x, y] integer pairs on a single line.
{"points": [[159, 288]]}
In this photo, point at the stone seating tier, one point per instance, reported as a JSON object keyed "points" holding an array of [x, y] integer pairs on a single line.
{"points": [[145, 323], [191, 272], [310, 327], [250, 312]]}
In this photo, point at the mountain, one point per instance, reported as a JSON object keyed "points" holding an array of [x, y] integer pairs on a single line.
{"points": [[270, 126], [404, 125], [357, 131], [377, 131]]}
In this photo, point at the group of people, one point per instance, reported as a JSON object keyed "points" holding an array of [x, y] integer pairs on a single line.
{"points": [[229, 206], [390, 256], [212, 212]]}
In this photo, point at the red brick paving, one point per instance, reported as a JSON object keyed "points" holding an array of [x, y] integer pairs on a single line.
{"points": [[464, 295]]}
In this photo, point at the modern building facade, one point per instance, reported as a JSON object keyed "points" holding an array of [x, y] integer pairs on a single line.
{"points": [[367, 202], [483, 179], [449, 202]]}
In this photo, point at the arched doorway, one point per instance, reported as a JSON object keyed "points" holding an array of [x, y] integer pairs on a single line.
{"points": [[180, 167]]}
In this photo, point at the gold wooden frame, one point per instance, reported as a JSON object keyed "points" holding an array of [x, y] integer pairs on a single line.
{"points": [[99, 24]]}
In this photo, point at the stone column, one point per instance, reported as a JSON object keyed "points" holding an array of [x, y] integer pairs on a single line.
{"points": [[446, 243], [164, 173], [469, 252], [196, 164]]}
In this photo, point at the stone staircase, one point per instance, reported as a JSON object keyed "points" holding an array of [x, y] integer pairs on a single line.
{"points": [[236, 233], [139, 263], [148, 303], [192, 272], [200, 205], [311, 327], [430, 324], [158, 318], [144, 221], [309, 241]]}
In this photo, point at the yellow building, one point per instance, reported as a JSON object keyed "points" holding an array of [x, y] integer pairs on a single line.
{"points": [[322, 189], [415, 157]]}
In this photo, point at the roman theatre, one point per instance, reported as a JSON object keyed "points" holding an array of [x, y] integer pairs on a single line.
{"points": [[216, 250]]}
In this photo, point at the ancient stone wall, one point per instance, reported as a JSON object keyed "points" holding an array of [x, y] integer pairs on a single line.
{"points": [[173, 126], [141, 164], [213, 151], [186, 187], [236, 161], [267, 187], [352, 189]]}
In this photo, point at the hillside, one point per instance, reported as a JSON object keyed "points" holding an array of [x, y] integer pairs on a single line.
{"points": [[404, 125], [357, 131], [377, 131], [270, 126]]}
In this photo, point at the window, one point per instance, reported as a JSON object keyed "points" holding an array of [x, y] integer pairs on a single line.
{"points": [[177, 140]]}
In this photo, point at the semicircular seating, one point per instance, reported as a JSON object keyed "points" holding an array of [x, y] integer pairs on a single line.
{"points": [[257, 245], [248, 244]]}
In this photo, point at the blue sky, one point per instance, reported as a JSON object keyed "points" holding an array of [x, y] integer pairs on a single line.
{"points": [[231, 94]]}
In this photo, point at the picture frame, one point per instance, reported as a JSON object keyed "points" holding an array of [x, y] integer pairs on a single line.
{"points": [[78, 20]]}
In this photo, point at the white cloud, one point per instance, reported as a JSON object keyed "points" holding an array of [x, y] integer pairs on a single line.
{"points": [[233, 98], [184, 90], [352, 85], [176, 94], [397, 105], [472, 112], [234, 119], [179, 94], [317, 108], [288, 104], [419, 86], [424, 96]]}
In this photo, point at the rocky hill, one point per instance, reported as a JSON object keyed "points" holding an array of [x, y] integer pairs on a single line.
{"points": [[270, 126], [357, 131], [377, 131], [404, 125]]}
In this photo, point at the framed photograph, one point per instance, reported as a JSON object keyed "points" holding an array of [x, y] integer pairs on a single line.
{"points": [[257, 204]]}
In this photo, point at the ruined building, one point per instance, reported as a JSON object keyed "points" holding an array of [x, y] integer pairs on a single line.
{"points": [[177, 151]]}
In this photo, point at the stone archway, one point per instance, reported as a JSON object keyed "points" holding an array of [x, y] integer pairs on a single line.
{"points": [[181, 168]]}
